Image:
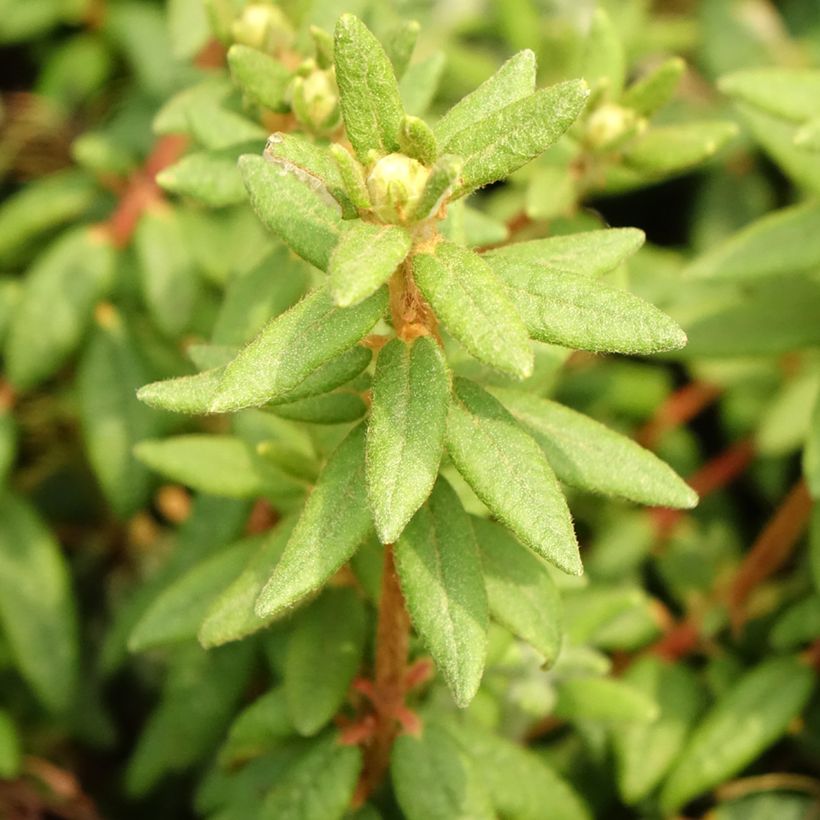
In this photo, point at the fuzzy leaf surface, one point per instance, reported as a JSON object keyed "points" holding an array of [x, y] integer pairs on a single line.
{"points": [[260, 76]]}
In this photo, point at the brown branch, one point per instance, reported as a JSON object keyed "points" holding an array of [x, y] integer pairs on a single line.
{"points": [[390, 685], [770, 551], [679, 408]]}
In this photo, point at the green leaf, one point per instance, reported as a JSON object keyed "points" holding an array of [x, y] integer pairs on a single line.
{"points": [[352, 176], [420, 83], [365, 258], [212, 177], [746, 720], [440, 184], [645, 751], [231, 615], [113, 420], [331, 408], [405, 433], [177, 612], [185, 394], [42, 205], [501, 143], [808, 136], [172, 117], [603, 699], [215, 464], [334, 522], [308, 220], [510, 474], [335, 373], [784, 241], [253, 296], [603, 63], [589, 253], [318, 786], [10, 756], [327, 637], [417, 140], [293, 346], [799, 624], [37, 610], [434, 780], [371, 105], [258, 728], [521, 593], [655, 88], [466, 296], [577, 311], [54, 311], [198, 700], [260, 76], [787, 93], [215, 126], [312, 163], [520, 783], [670, 149], [512, 82], [188, 27], [811, 453], [439, 568], [170, 286], [582, 452], [400, 44], [8, 442]]}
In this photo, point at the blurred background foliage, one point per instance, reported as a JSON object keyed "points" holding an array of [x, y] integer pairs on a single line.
{"points": [[703, 130]]}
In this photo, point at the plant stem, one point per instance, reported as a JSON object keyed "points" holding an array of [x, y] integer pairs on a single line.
{"points": [[392, 642]]}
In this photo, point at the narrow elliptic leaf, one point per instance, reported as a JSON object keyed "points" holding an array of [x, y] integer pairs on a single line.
{"points": [[185, 394], [323, 655], [509, 473], [577, 311], [364, 259], [318, 786], [212, 177], [10, 752], [521, 593], [669, 149], [340, 407], [440, 184], [417, 140], [55, 309], [400, 43], [312, 163], [252, 297], [434, 780], [37, 610], [167, 273], [43, 204], [748, 719], [785, 241], [113, 420], [335, 373], [589, 253], [420, 83], [603, 699], [293, 346], [260, 76], [176, 614], [352, 176], [645, 751], [654, 89], [258, 728], [8, 442], [512, 82], [405, 433], [603, 63], [199, 698], [371, 105], [798, 624], [586, 454], [519, 782], [496, 146], [334, 522], [230, 616], [214, 464], [787, 93], [470, 302], [215, 126], [307, 219], [439, 568]]}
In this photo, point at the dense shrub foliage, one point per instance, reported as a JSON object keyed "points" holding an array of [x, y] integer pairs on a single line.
{"points": [[409, 410]]}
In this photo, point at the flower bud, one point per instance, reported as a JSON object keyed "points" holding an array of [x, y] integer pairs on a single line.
{"points": [[396, 185], [610, 124], [263, 27], [315, 101]]}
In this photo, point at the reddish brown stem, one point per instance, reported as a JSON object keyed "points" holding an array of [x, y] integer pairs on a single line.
{"points": [[770, 551], [390, 684], [679, 408]]}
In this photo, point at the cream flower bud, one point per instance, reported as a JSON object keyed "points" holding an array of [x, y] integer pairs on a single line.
{"points": [[395, 185], [315, 101], [264, 27]]}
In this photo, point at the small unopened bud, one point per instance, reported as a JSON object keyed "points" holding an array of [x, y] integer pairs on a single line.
{"points": [[396, 185], [610, 124], [263, 27], [315, 101]]}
